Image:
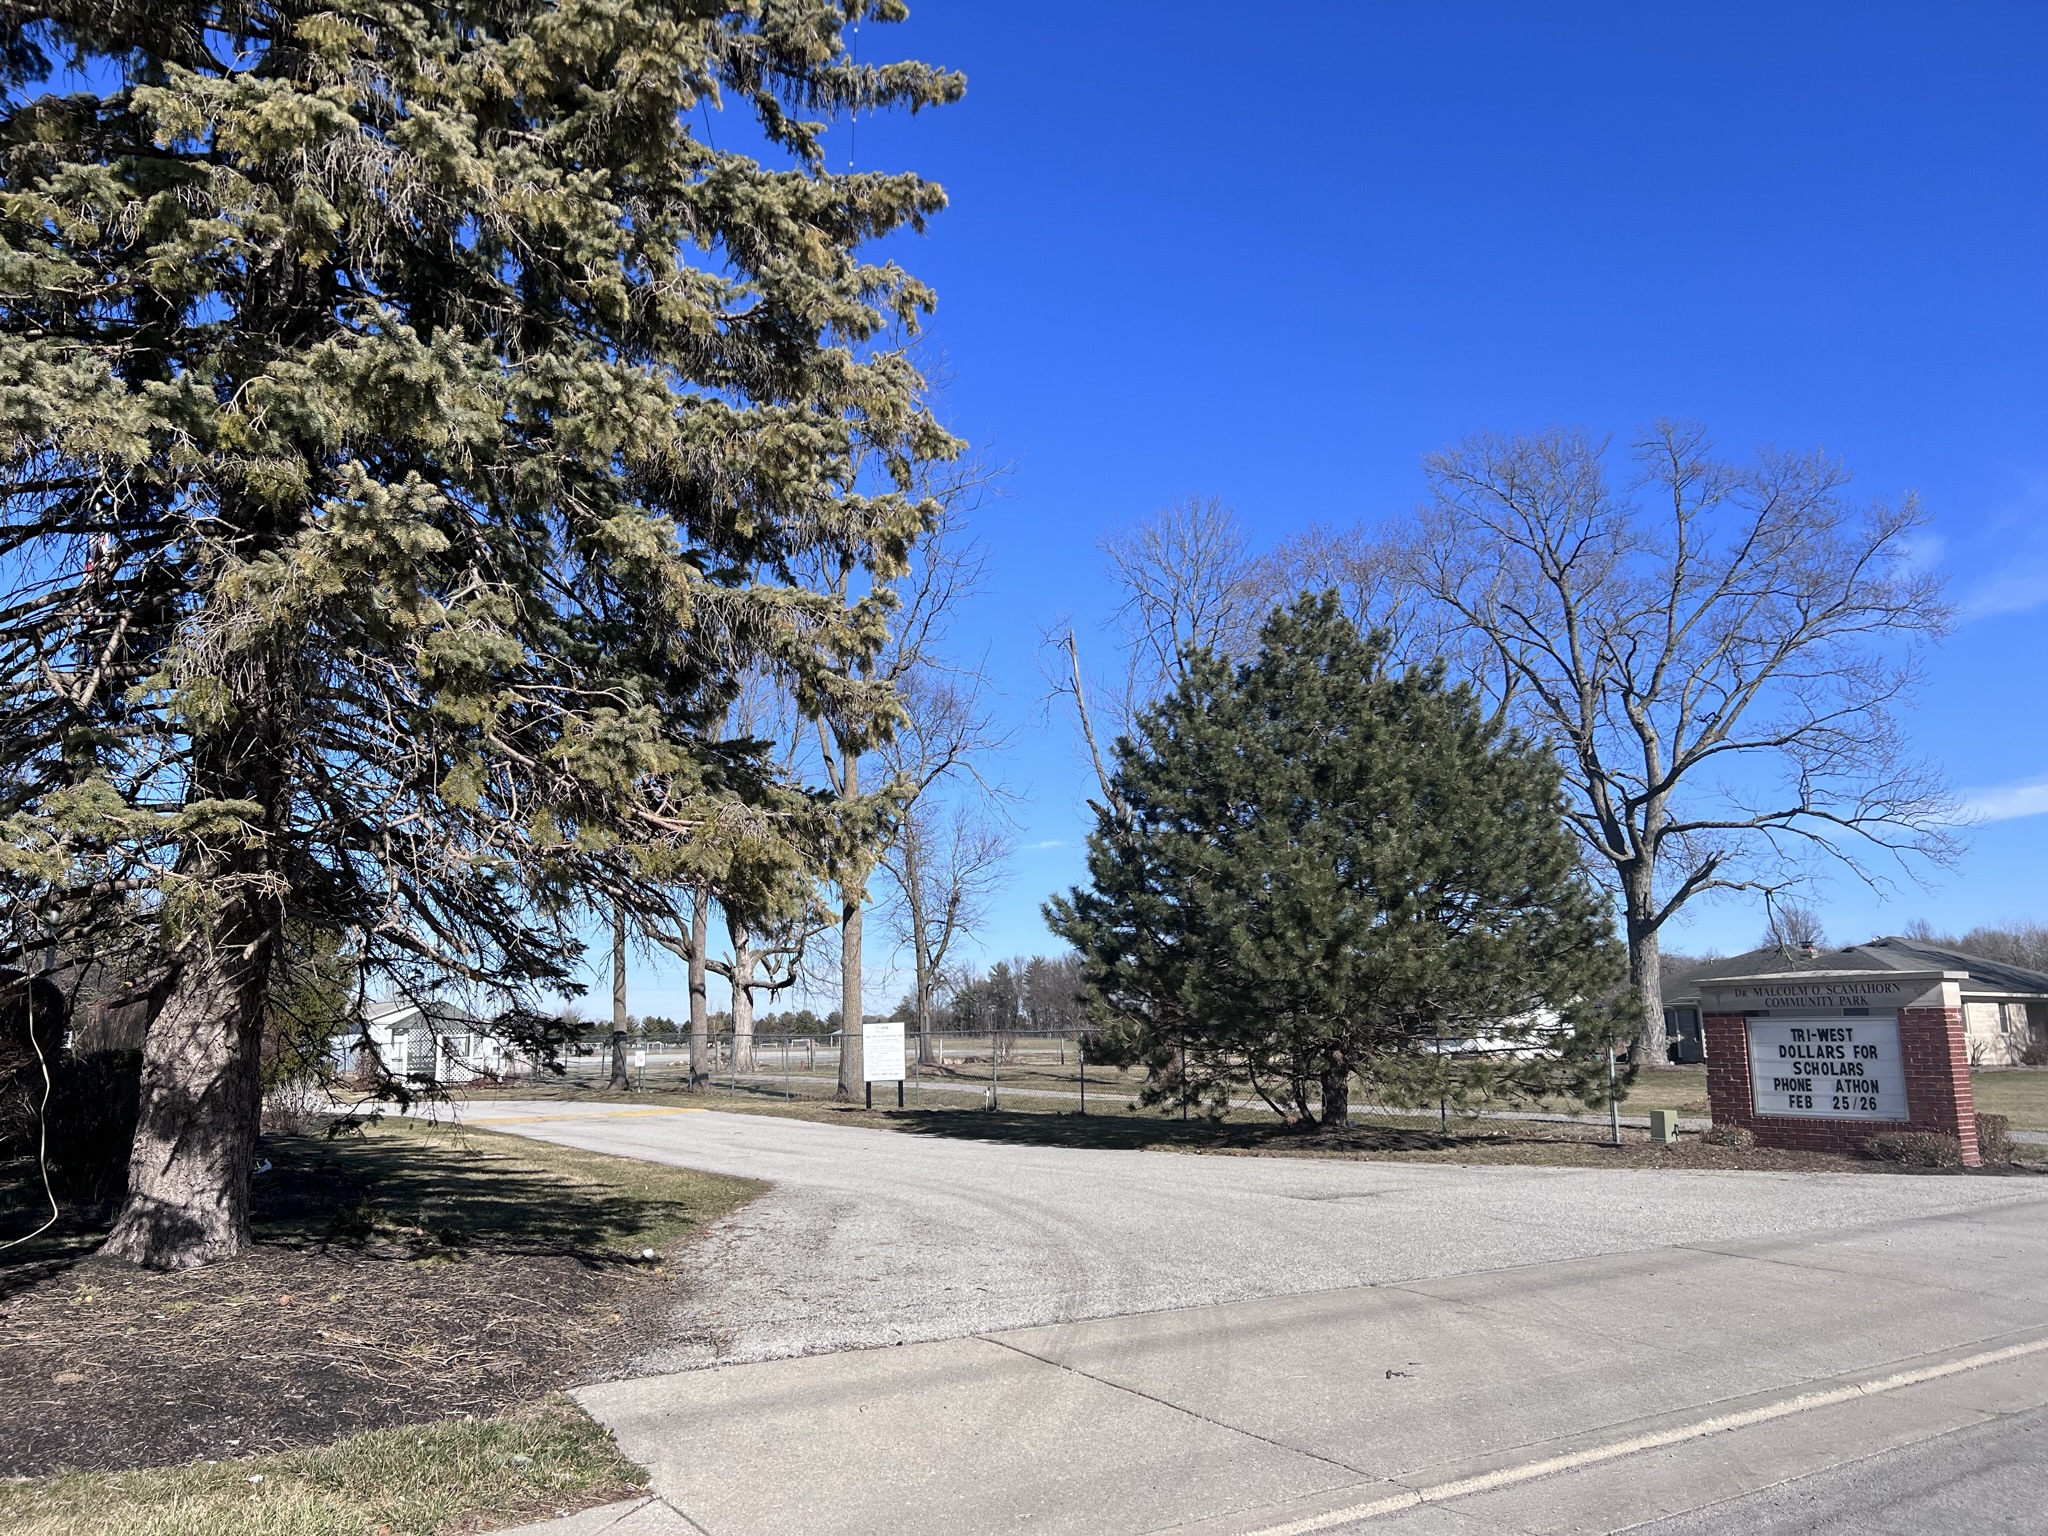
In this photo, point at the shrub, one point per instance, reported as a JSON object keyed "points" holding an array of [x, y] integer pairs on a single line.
{"points": [[1916, 1149], [1994, 1138], [90, 1122], [1730, 1136]]}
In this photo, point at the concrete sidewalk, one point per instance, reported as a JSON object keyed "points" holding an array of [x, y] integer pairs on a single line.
{"points": [[1528, 1400]]}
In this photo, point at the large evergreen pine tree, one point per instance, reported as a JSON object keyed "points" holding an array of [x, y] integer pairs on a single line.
{"points": [[411, 421], [1316, 869]]}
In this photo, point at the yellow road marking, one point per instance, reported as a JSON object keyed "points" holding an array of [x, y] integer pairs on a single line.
{"points": [[595, 1113]]}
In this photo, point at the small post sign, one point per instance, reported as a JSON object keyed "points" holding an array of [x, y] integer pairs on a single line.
{"points": [[1834, 1069], [881, 1052]]}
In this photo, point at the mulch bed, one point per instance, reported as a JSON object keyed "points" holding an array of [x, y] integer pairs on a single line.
{"points": [[1593, 1148], [371, 1298]]}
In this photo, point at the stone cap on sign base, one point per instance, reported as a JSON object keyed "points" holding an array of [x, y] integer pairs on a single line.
{"points": [[1823, 990]]}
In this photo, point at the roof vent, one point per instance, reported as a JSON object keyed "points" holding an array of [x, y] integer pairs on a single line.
{"points": [[1808, 951]]}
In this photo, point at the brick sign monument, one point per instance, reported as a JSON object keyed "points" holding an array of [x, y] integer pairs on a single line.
{"points": [[1823, 1060]]}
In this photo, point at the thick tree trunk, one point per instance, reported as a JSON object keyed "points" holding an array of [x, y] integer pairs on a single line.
{"points": [[201, 1109], [700, 1007], [921, 1014], [852, 897], [742, 997], [620, 1077], [1644, 975], [850, 1074], [927, 1055], [1337, 1090], [201, 1102]]}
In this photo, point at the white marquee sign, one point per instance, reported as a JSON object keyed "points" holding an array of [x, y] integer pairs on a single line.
{"points": [[1832, 1069]]}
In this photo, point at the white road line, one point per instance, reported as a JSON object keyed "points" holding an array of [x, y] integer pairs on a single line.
{"points": [[1506, 1477]]}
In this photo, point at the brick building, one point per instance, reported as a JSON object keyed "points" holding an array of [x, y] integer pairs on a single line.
{"points": [[1823, 1049], [2005, 1007]]}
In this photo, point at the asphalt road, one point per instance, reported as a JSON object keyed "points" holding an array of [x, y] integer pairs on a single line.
{"points": [[1986, 1478], [1109, 1342]]}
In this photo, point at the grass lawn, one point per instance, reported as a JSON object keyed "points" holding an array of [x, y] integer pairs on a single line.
{"points": [[2018, 1093], [413, 1481], [388, 1353]]}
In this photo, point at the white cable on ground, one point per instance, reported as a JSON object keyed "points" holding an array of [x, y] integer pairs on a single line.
{"points": [[42, 1120]]}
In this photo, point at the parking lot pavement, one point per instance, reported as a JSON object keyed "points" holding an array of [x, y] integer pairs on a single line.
{"points": [[1135, 1342]]}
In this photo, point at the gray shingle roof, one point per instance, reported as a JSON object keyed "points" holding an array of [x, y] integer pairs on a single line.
{"points": [[1887, 954]]}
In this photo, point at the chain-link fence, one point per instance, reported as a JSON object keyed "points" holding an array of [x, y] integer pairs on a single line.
{"points": [[939, 1070]]}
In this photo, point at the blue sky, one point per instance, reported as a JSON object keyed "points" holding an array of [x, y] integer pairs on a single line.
{"points": [[1278, 256]]}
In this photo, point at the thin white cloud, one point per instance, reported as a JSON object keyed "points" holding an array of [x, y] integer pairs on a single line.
{"points": [[2016, 591], [1050, 842], [2008, 543], [2007, 802]]}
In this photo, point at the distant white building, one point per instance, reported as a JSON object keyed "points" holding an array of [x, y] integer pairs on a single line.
{"points": [[428, 1041]]}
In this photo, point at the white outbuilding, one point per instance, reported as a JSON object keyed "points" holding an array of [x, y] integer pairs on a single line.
{"points": [[427, 1041]]}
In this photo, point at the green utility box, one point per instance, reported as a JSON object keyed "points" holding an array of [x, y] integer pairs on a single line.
{"points": [[1664, 1126]]}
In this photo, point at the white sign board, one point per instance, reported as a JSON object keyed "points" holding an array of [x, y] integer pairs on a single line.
{"points": [[1831, 1069], [881, 1052], [639, 1058]]}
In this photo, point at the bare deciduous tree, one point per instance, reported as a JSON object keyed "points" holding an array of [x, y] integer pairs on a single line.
{"points": [[2022, 943], [924, 598], [951, 849], [1717, 658], [759, 876], [1789, 925], [763, 963], [1369, 569], [1189, 582]]}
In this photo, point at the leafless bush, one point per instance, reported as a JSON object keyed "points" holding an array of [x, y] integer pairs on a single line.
{"points": [[1916, 1149], [295, 1108]]}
